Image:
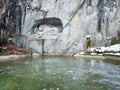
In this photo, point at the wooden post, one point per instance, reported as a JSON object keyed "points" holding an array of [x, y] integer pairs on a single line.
{"points": [[31, 53], [42, 47]]}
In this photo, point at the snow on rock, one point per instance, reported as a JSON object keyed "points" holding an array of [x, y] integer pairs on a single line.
{"points": [[110, 49]]}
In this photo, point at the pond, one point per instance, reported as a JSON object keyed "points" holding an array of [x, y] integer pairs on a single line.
{"points": [[61, 73]]}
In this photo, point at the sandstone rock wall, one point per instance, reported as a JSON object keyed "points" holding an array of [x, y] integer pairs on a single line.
{"points": [[97, 19]]}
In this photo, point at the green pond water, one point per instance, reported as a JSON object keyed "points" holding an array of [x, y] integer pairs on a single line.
{"points": [[61, 73]]}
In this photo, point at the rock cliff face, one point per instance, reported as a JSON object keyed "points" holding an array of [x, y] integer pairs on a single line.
{"points": [[63, 24]]}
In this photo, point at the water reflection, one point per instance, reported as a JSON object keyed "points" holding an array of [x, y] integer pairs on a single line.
{"points": [[61, 73]]}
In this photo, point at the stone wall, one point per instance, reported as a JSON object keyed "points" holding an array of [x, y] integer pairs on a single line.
{"points": [[99, 19]]}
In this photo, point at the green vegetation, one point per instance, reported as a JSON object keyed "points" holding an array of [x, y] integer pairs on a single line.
{"points": [[3, 41], [118, 36], [113, 41]]}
